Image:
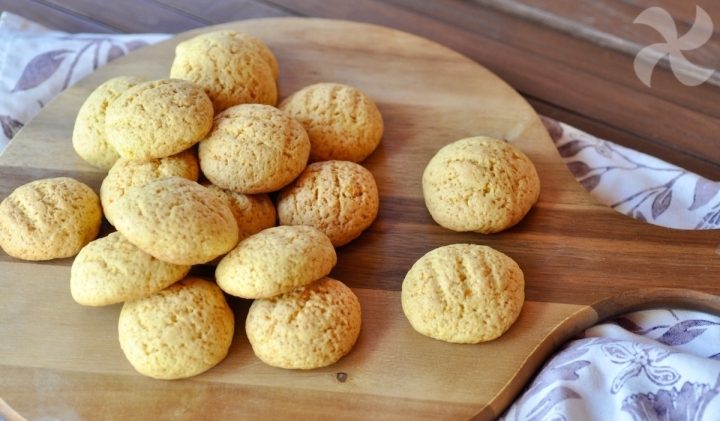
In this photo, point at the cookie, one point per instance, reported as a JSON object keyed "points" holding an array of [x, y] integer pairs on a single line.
{"points": [[241, 40], [49, 219], [127, 173], [479, 184], [177, 221], [342, 123], [463, 293], [253, 212], [339, 198], [309, 327], [178, 332], [229, 67], [275, 261], [89, 138], [253, 148], [158, 118], [111, 270]]}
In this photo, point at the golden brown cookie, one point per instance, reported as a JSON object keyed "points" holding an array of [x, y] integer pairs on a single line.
{"points": [[342, 123], [241, 40], [253, 212], [49, 219], [463, 293], [158, 118], [339, 198], [178, 332], [127, 173], [111, 270], [253, 148], [309, 327], [275, 261], [89, 138], [177, 221], [480, 184], [230, 67]]}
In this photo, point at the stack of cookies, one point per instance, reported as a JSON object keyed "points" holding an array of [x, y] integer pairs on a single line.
{"points": [[193, 161], [170, 326], [300, 318]]}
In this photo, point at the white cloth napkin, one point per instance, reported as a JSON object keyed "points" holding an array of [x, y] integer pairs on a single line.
{"points": [[36, 64], [650, 365], [636, 184]]}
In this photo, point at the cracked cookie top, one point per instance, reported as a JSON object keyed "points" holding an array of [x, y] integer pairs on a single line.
{"points": [[479, 184]]}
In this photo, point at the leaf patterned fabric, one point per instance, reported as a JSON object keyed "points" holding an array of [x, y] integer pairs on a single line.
{"points": [[638, 185], [649, 365], [36, 64]]}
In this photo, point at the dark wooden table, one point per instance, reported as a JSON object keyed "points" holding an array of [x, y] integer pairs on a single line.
{"points": [[571, 59]]}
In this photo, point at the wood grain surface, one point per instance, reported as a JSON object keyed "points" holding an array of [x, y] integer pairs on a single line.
{"points": [[582, 261], [571, 59]]}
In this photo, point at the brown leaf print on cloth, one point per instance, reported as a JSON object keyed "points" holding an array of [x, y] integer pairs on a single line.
{"points": [[670, 375], [705, 191], [553, 127], [10, 126], [579, 169], [553, 383], [635, 184], [687, 404], [711, 220], [43, 66], [662, 198], [40, 69], [65, 60], [661, 203], [684, 332], [572, 148]]}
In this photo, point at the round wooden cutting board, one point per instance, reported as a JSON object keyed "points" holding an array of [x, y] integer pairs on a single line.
{"points": [[583, 262]]}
